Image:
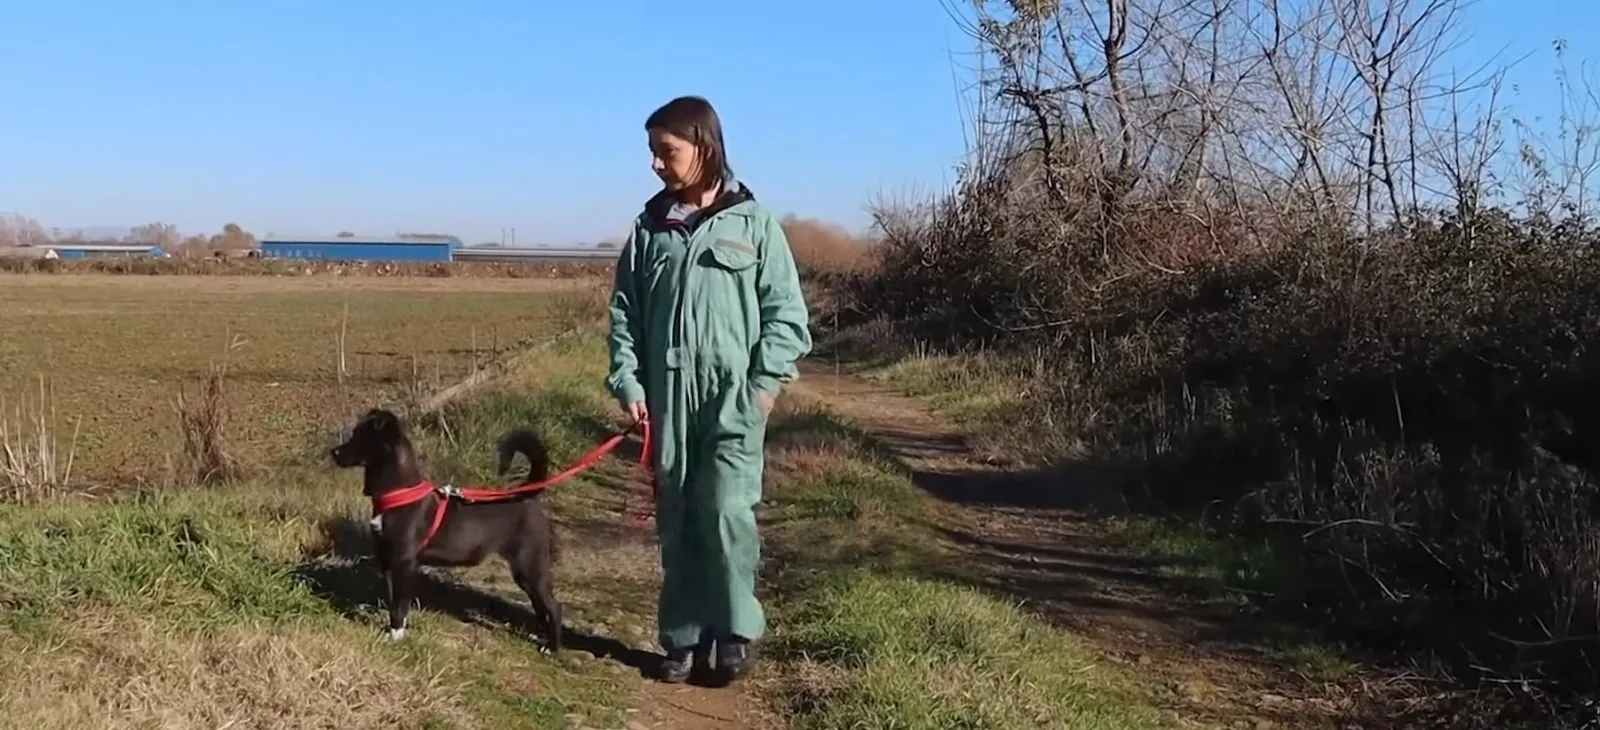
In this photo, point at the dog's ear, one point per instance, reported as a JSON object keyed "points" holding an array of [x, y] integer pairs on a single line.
{"points": [[382, 421]]}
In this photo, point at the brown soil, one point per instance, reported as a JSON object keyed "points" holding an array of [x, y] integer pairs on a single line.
{"points": [[684, 707], [281, 268], [254, 285], [627, 558]]}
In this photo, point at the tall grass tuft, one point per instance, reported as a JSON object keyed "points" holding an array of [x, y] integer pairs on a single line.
{"points": [[32, 464], [204, 424]]}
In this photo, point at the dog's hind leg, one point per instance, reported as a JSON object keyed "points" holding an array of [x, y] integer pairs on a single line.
{"points": [[541, 593], [402, 578]]}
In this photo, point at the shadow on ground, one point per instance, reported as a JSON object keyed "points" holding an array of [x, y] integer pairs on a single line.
{"points": [[1090, 488], [346, 577], [1041, 560]]}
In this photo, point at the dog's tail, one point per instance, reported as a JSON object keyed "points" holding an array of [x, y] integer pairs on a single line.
{"points": [[525, 442]]}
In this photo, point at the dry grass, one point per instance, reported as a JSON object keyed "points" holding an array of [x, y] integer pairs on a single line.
{"points": [[33, 463], [825, 248], [109, 670], [204, 425]]}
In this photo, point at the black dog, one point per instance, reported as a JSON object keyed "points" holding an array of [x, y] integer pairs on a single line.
{"points": [[517, 529]]}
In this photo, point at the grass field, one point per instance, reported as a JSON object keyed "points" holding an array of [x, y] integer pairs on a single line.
{"points": [[116, 350], [250, 604]]}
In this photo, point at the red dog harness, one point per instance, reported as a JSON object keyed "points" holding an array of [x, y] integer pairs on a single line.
{"points": [[408, 496]]}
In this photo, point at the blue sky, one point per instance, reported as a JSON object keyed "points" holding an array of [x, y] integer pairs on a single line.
{"points": [[316, 116]]}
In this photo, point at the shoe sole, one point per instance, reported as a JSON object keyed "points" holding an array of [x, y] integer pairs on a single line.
{"points": [[673, 677], [727, 676]]}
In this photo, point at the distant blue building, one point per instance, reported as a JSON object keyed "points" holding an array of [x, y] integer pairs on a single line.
{"points": [[352, 248], [76, 251]]}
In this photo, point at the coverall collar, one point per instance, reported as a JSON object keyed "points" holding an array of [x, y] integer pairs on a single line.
{"points": [[663, 211]]}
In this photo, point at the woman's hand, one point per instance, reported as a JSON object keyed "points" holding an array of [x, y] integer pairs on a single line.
{"points": [[637, 410]]}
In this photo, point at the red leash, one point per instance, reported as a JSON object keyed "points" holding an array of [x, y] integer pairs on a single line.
{"points": [[411, 495]]}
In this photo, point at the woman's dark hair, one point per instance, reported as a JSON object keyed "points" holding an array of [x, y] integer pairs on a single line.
{"points": [[693, 119]]}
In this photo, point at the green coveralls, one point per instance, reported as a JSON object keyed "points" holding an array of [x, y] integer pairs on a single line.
{"points": [[703, 315]]}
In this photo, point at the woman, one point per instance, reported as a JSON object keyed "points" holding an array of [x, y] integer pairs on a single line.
{"points": [[707, 322]]}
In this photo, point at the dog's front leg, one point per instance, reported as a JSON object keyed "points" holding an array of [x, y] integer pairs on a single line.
{"points": [[402, 578]]}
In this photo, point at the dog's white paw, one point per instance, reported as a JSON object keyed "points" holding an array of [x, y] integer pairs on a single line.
{"points": [[397, 634], [546, 650]]}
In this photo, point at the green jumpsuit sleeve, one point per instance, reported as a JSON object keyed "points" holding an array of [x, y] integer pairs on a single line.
{"points": [[627, 331], [785, 324]]}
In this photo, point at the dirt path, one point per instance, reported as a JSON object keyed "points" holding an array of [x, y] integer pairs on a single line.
{"points": [[1056, 556], [627, 559], [1036, 537], [684, 707]]}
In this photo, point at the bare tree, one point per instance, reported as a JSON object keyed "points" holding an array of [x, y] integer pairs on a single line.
{"points": [[195, 245], [20, 230], [1392, 47], [164, 235], [233, 238], [1260, 110], [1557, 170], [1462, 153]]}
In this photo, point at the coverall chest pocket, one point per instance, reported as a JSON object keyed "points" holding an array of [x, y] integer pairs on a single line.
{"points": [[732, 263], [727, 298]]}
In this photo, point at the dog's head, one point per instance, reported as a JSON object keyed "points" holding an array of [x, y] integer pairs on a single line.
{"points": [[377, 436]]}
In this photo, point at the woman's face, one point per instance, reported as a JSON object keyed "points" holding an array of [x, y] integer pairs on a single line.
{"points": [[674, 159]]}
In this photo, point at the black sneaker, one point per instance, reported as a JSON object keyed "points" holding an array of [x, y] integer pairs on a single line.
{"points": [[676, 666], [680, 664], [736, 657]]}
